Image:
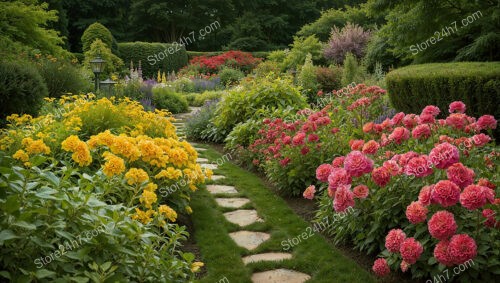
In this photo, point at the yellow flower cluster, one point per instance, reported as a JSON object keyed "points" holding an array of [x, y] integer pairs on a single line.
{"points": [[148, 198], [168, 212], [143, 216], [195, 266], [171, 173], [114, 165], [136, 176], [22, 156], [81, 153], [35, 146]]}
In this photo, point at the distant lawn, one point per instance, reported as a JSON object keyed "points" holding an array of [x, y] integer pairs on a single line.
{"points": [[222, 257]]}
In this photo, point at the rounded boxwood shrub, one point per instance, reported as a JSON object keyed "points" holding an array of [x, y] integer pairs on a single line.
{"points": [[229, 76], [22, 89], [96, 31], [165, 98], [477, 84]]}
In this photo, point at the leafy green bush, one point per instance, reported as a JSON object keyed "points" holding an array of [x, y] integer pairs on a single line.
{"points": [[351, 70], [96, 31], [230, 76], [154, 56], [183, 85], [267, 67], [62, 77], [166, 98], [199, 99], [132, 90], [300, 48], [476, 84], [112, 62], [196, 126], [329, 78], [307, 79], [22, 89]]}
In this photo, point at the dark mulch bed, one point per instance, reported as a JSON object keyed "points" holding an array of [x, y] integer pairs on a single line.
{"points": [[190, 245]]}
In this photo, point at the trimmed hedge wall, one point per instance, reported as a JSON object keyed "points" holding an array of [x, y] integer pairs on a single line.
{"points": [[477, 84], [153, 56]]}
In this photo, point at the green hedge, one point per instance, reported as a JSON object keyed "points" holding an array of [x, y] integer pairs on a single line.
{"points": [[152, 56], [477, 84]]}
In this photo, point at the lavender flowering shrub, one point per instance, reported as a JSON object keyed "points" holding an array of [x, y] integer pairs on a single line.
{"points": [[198, 124]]}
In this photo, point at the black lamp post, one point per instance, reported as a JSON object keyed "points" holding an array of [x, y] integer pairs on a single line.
{"points": [[97, 65]]}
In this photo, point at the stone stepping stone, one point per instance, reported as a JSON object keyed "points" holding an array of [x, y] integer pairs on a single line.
{"points": [[266, 257], [200, 149], [248, 239], [201, 160], [221, 189], [279, 276], [232, 202], [217, 177], [243, 217], [209, 166]]}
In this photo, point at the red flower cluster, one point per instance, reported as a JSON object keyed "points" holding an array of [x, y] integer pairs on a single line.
{"points": [[235, 59]]}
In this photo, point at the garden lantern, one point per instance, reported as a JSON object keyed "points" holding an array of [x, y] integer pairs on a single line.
{"points": [[97, 65], [107, 85]]}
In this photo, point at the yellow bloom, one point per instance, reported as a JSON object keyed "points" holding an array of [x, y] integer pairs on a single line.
{"points": [[136, 176], [193, 187], [189, 210], [170, 173], [152, 187], [143, 216], [169, 213], [70, 143], [126, 148], [114, 165], [21, 155], [209, 173], [195, 266], [35, 146], [81, 154], [148, 198]]}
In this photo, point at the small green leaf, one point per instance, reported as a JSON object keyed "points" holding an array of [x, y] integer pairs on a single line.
{"points": [[7, 235], [25, 225], [42, 273]]}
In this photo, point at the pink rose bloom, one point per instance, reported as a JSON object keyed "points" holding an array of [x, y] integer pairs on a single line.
{"points": [[344, 199], [368, 127], [338, 162], [462, 248], [489, 214], [287, 140], [371, 147], [421, 131], [441, 253], [284, 162], [486, 183], [313, 138], [486, 122], [309, 192], [298, 139], [418, 166], [445, 193], [404, 158], [381, 176], [361, 191], [397, 119], [481, 139], [457, 106], [399, 135], [424, 197], [393, 167], [416, 212], [404, 266], [394, 239], [338, 177], [442, 225], [456, 120], [444, 155], [410, 121], [356, 144], [432, 110], [305, 150], [356, 164], [323, 171], [426, 119], [381, 268], [411, 250], [474, 197], [460, 175]]}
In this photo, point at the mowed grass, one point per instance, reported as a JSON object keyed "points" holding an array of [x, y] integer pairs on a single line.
{"points": [[222, 257]]}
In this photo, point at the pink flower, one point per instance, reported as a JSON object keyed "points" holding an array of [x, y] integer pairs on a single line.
{"points": [[338, 177], [338, 162], [411, 250], [410, 121], [404, 158], [381, 176], [404, 266], [394, 239], [393, 167], [484, 182], [309, 192], [371, 147], [397, 119], [399, 135], [416, 212], [462, 248], [444, 155], [284, 162], [361, 191], [445, 193], [298, 139], [323, 171], [475, 196], [424, 197], [287, 140], [441, 253], [356, 164], [421, 131], [426, 119], [368, 127], [381, 268], [487, 122], [344, 198], [356, 144], [456, 120], [432, 110], [304, 150], [418, 166], [313, 138], [442, 225], [481, 139], [489, 214], [457, 106], [460, 175]]}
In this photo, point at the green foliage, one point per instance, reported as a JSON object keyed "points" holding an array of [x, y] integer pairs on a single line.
{"points": [[278, 56], [351, 70], [249, 43], [23, 26], [22, 89], [166, 98], [378, 51], [329, 78], [112, 62], [308, 80], [96, 31], [131, 89], [183, 85], [476, 84], [300, 48], [230, 76], [62, 77], [199, 99], [197, 125], [151, 54]]}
